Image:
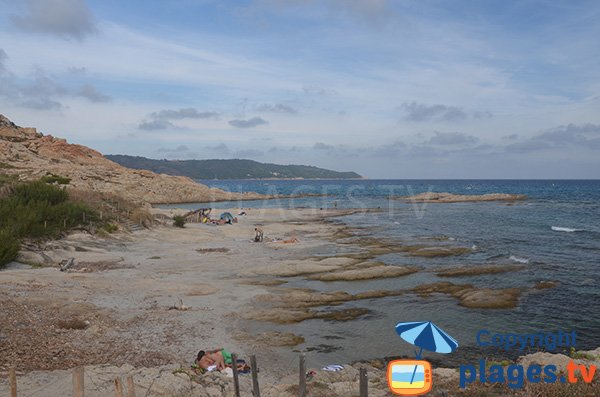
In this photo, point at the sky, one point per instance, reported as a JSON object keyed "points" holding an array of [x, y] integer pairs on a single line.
{"points": [[386, 88]]}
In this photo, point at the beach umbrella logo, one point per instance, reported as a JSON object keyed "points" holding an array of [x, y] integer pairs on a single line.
{"points": [[414, 377]]}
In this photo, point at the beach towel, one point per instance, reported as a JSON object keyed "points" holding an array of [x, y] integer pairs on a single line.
{"points": [[333, 368]]}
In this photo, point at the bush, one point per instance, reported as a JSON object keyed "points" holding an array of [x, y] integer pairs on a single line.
{"points": [[7, 180], [141, 217], [9, 247], [178, 221], [52, 178], [38, 191], [37, 210]]}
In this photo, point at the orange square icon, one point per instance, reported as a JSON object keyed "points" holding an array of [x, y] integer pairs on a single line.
{"points": [[409, 377]]}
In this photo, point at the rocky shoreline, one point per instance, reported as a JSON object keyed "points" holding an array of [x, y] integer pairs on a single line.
{"points": [[176, 380]]}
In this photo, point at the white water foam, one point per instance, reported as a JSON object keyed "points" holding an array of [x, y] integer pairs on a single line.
{"points": [[565, 229], [519, 260]]}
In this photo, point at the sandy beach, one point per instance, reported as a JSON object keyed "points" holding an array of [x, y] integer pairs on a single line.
{"points": [[157, 296], [143, 303]]}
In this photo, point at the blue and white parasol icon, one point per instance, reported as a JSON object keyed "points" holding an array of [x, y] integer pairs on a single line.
{"points": [[428, 336]]}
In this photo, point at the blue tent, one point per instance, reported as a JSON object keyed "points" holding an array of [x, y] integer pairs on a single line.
{"points": [[227, 216]]}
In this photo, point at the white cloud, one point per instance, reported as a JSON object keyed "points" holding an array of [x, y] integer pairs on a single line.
{"points": [[65, 18]]}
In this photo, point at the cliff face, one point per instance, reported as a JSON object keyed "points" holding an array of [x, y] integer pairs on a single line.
{"points": [[29, 154]]}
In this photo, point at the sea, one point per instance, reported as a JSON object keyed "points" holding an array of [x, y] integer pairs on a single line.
{"points": [[554, 234]]}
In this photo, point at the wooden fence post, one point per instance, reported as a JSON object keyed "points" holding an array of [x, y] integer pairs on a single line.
{"points": [[130, 387], [118, 387], [236, 380], [302, 379], [254, 368], [363, 383], [12, 379], [78, 382]]}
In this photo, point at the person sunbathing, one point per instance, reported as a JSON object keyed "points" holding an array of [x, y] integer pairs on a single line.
{"points": [[217, 359]]}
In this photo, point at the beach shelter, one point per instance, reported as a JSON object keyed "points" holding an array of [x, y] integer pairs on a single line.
{"points": [[426, 335], [226, 216]]}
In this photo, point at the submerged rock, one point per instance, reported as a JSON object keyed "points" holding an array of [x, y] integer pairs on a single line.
{"points": [[475, 270], [290, 316], [365, 274], [433, 197], [472, 297]]}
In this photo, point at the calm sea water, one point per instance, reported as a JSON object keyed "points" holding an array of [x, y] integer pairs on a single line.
{"points": [[555, 234]]}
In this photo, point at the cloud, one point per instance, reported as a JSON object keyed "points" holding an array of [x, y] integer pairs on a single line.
{"points": [[527, 146], [570, 134], [482, 114], [78, 71], [160, 120], [421, 112], [39, 94], [322, 146], [282, 149], [184, 113], [452, 138], [249, 123], [371, 12], [178, 149], [41, 103], [179, 152], [64, 18], [3, 58], [90, 92], [155, 125], [221, 147], [561, 137], [316, 90], [276, 108], [41, 91], [511, 137], [390, 150]]}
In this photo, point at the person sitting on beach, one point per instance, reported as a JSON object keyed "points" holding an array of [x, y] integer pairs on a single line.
{"points": [[258, 236]]}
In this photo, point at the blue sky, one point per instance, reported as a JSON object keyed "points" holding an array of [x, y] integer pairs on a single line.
{"points": [[390, 89]]}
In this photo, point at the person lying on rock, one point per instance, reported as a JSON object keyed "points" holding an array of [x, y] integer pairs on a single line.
{"points": [[217, 359]]}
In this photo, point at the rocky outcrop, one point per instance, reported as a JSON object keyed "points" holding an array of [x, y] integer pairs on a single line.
{"points": [[29, 154], [433, 197]]}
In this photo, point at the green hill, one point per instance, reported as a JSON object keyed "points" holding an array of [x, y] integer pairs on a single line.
{"points": [[228, 169]]}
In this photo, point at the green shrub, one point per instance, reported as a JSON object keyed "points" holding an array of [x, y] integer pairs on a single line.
{"points": [[52, 178], [6, 179], [178, 221], [38, 210], [38, 191], [9, 247], [109, 228]]}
